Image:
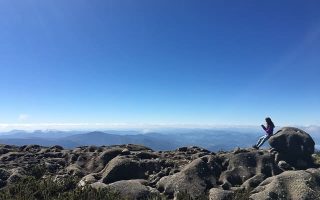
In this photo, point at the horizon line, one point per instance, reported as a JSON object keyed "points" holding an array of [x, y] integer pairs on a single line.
{"points": [[127, 126]]}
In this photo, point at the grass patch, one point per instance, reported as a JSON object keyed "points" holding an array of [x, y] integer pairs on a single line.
{"points": [[48, 189]]}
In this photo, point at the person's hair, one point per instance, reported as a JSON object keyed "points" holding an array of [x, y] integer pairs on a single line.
{"points": [[269, 122]]}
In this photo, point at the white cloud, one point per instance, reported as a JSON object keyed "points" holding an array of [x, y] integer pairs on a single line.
{"points": [[144, 127], [146, 131], [59, 126], [312, 129], [23, 117]]}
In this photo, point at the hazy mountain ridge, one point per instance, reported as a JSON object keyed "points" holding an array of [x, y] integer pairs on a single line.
{"points": [[215, 140], [211, 139]]}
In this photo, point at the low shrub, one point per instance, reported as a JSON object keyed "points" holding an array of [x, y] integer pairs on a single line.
{"points": [[31, 188]]}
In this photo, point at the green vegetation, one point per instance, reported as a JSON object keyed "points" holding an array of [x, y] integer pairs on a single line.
{"points": [[35, 187], [48, 189], [31, 188], [37, 171]]}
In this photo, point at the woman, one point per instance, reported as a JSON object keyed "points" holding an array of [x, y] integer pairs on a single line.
{"points": [[269, 132]]}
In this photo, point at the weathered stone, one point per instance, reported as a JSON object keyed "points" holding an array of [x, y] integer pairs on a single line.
{"points": [[4, 150], [135, 147], [98, 185], [219, 194], [74, 170], [243, 166], [302, 185], [192, 169], [121, 168], [294, 146], [56, 148], [253, 182], [4, 174], [109, 154], [194, 179], [131, 189], [284, 165], [33, 148], [88, 179], [146, 155]]}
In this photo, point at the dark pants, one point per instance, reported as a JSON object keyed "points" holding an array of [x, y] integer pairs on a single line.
{"points": [[262, 140]]}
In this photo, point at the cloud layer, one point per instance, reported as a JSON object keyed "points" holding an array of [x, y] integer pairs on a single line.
{"points": [[23, 117]]}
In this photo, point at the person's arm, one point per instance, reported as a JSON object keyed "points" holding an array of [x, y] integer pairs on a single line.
{"points": [[264, 128], [269, 130]]}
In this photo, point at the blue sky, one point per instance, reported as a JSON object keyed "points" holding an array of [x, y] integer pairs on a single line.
{"points": [[159, 62]]}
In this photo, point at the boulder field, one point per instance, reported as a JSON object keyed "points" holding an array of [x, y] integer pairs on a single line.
{"points": [[285, 171]]}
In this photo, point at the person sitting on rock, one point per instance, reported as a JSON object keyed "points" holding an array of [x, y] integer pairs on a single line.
{"points": [[269, 133]]}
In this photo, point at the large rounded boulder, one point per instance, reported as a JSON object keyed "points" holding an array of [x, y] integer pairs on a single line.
{"points": [[302, 185], [294, 146], [121, 168], [194, 179]]}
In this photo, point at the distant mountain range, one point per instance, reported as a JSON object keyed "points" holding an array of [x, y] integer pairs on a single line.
{"points": [[210, 139]]}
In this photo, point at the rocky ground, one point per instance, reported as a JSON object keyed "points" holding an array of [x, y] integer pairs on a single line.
{"points": [[286, 171]]}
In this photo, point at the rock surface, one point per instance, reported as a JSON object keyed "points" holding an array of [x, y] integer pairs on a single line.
{"points": [[137, 172], [134, 189], [294, 146], [242, 166], [194, 179], [121, 168], [220, 194], [300, 185]]}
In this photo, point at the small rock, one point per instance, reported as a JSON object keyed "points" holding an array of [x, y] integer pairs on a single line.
{"points": [[183, 149], [284, 165], [146, 155], [219, 194], [125, 151]]}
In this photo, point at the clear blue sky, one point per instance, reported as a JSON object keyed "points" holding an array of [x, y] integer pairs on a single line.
{"points": [[143, 61]]}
